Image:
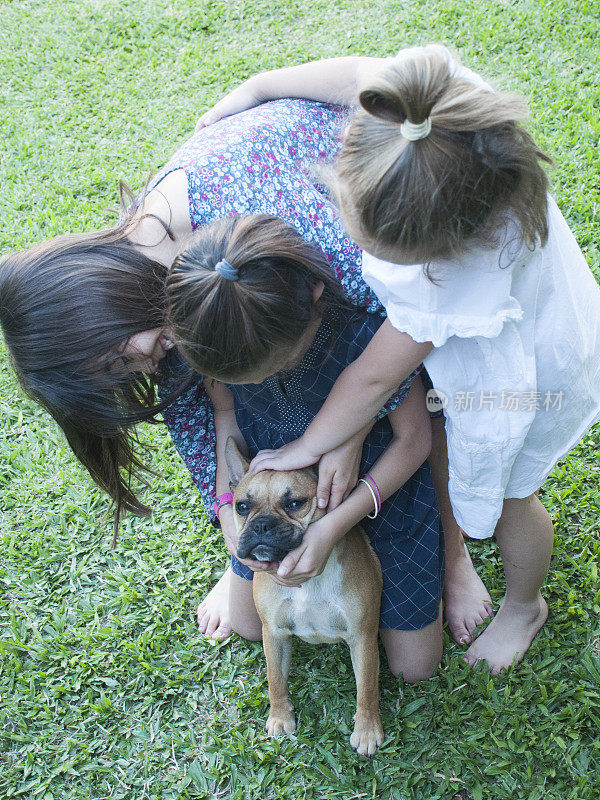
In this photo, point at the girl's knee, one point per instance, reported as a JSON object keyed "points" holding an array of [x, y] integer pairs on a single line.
{"points": [[245, 620], [242, 611], [414, 654], [417, 673], [247, 629], [414, 669]]}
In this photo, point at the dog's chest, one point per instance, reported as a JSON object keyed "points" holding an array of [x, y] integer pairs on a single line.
{"points": [[316, 612]]}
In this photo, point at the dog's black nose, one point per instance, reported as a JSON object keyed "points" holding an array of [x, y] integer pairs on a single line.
{"points": [[259, 532], [261, 526]]}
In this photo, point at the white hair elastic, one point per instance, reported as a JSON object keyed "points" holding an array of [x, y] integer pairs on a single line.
{"points": [[413, 131]]}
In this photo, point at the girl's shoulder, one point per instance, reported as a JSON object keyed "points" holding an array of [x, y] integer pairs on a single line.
{"points": [[293, 128], [465, 297], [353, 329], [170, 195], [165, 206]]}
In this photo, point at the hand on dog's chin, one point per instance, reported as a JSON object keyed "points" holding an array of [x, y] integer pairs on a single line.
{"points": [[270, 567], [259, 566]]}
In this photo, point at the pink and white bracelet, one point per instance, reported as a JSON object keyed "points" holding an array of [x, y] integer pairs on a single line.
{"points": [[369, 482]]}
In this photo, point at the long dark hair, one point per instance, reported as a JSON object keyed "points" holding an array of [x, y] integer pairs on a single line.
{"points": [[66, 307], [476, 171], [226, 328]]}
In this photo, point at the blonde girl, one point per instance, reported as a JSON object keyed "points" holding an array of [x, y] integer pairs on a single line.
{"points": [[481, 279]]}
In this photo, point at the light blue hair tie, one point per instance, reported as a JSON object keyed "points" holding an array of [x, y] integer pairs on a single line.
{"points": [[225, 269]]}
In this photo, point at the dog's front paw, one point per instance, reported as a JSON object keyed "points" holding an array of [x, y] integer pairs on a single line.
{"points": [[367, 734], [281, 721]]}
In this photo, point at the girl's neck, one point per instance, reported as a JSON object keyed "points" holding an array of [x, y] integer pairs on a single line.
{"points": [[165, 209], [306, 341], [287, 361]]}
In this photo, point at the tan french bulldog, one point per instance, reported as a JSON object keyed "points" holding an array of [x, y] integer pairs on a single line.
{"points": [[272, 511]]}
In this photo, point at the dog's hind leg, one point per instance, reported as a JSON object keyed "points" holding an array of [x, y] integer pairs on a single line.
{"points": [[368, 731], [278, 652]]}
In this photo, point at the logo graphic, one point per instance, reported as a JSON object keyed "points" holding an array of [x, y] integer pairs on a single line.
{"points": [[436, 400]]}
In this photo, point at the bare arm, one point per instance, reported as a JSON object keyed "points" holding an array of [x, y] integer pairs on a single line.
{"points": [[357, 396], [406, 452], [339, 470], [225, 426], [333, 80], [404, 455]]}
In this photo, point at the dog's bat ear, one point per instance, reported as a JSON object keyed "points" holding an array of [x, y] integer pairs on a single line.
{"points": [[236, 463], [313, 470]]}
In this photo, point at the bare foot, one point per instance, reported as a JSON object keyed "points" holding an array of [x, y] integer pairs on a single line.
{"points": [[466, 600], [508, 636], [213, 611]]}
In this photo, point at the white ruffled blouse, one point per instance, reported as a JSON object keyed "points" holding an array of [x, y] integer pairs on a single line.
{"points": [[516, 360]]}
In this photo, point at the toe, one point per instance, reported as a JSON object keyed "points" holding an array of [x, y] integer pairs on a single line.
{"points": [[222, 632], [203, 622], [461, 634], [476, 620], [211, 627], [470, 657]]}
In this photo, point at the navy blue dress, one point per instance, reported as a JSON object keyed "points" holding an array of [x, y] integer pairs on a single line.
{"points": [[407, 534]]}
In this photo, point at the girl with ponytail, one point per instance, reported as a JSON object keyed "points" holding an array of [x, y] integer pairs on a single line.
{"points": [[255, 309], [482, 280]]}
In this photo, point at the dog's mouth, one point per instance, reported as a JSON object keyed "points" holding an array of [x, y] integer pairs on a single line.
{"points": [[263, 552], [268, 539]]}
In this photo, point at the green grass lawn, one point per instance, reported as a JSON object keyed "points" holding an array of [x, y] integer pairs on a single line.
{"points": [[106, 689]]}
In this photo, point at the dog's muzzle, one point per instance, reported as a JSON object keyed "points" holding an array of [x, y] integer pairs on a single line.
{"points": [[268, 538]]}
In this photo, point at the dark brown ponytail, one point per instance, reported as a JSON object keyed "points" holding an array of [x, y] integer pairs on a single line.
{"points": [[226, 328]]}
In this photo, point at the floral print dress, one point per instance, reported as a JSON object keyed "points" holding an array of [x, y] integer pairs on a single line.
{"points": [[261, 161]]}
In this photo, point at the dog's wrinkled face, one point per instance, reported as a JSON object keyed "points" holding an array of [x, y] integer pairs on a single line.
{"points": [[272, 510]]}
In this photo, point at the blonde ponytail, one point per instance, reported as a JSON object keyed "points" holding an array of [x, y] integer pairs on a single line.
{"points": [[472, 167]]}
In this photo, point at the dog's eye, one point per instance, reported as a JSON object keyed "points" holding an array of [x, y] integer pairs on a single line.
{"points": [[242, 508], [294, 505]]}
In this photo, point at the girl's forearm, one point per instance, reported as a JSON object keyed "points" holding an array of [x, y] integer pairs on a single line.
{"points": [[391, 471], [225, 426], [333, 80], [362, 390]]}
